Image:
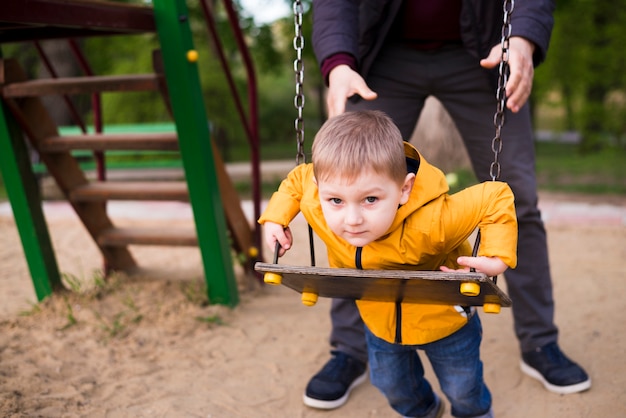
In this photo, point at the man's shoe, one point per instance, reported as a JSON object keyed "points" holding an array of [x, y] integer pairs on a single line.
{"points": [[552, 368], [331, 386]]}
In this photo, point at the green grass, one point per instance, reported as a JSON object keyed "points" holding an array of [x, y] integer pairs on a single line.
{"points": [[560, 167]]}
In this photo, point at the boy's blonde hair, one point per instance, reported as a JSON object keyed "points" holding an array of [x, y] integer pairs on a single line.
{"points": [[348, 144]]}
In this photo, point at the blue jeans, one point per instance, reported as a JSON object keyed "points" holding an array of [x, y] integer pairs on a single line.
{"points": [[396, 370]]}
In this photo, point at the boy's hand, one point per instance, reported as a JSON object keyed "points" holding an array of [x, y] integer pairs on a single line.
{"points": [[491, 266], [277, 233]]}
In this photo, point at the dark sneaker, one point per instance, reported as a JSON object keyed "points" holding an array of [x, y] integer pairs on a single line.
{"points": [[552, 368], [331, 386]]}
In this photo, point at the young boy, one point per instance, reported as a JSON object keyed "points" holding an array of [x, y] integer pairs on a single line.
{"points": [[377, 204]]}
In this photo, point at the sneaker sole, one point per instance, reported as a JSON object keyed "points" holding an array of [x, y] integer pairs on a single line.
{"points": [[561, 390], [336, 403]]}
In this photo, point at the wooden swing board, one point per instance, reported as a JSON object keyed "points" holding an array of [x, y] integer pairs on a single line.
{"points": [[428, 287]]}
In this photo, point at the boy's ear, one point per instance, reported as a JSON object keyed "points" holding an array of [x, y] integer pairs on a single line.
{"points": [[407, 186]]}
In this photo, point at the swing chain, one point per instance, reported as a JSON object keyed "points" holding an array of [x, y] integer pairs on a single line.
{"points": [[503, 76], [498, 118], [298, 67]]}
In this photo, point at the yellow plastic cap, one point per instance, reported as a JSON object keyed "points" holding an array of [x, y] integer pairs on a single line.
{"points": [[493, 308], [470, 289], [309, 299], [272, 278]]}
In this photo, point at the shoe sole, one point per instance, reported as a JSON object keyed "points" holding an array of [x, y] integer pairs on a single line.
{"points": [[336, 403], [561, 390]]}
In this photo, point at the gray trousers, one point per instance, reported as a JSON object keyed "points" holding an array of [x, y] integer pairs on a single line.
{"points": [[403, 79]]}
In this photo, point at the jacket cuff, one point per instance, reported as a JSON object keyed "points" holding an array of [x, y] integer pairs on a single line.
{"points": [[340, 58]]}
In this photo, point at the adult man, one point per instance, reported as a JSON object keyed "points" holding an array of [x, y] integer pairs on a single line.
{"points": [[391, 55]]}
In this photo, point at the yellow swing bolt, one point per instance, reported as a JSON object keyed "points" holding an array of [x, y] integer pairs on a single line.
{"points": [[309, 298], [272, 278], [492, 308], [470, 289]]}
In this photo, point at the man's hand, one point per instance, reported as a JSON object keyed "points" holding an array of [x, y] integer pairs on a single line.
{"points": [[491, 266], [520, 82], [344, 82], [277, 233]]}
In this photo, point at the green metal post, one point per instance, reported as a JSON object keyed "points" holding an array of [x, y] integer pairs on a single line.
{"points": [[24, 195], [185, 92]]}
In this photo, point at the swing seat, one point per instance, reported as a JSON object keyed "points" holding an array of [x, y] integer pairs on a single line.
{"points": [[409, 286]]}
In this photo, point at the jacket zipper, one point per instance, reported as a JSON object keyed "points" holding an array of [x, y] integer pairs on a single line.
{"points": [[359, 265], [398, 339], [357, 258]]}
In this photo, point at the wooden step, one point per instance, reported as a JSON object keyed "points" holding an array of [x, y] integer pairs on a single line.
{"points": [[118, 237], [82, 85], [163, 141], [123, 190]]}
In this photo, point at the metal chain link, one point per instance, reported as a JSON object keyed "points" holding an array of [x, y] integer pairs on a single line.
{"points": [[498, 118], [298, 101], [503, 76], [298, 67]]}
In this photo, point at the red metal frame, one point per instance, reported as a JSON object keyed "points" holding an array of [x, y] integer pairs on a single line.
{"points": [[250, 123], [30, 20]]}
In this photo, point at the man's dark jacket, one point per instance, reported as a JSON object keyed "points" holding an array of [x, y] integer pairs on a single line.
{"points": [[359, 28]]}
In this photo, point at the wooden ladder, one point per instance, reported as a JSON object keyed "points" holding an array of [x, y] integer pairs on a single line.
{"points": [[23, 99]]}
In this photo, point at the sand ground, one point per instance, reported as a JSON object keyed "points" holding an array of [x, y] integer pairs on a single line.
{"points": [[147, 345]]}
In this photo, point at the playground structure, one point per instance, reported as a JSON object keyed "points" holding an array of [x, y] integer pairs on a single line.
{"points": [[214, 202]]}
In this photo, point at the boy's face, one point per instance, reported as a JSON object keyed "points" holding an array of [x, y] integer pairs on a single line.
{"points": [[361, 211]]}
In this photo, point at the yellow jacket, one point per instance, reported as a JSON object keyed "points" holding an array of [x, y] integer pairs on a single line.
{"points": [[430, 230]]}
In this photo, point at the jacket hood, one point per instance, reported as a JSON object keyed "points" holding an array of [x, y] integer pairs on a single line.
{"points": [[430, 183]]}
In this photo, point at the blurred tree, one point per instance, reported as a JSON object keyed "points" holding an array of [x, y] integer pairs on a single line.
{"points": [[586, 66], [314, 113], [271, 47]]}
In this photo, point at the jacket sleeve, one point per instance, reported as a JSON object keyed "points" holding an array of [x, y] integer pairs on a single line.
{"points": [[335, 28], [284, 204], [490, 207], [533, 20]]}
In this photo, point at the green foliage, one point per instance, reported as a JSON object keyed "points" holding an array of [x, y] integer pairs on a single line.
{"points": [[271, 48], [463, 179], [586, 71], [126, 55], [24, 53]]}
